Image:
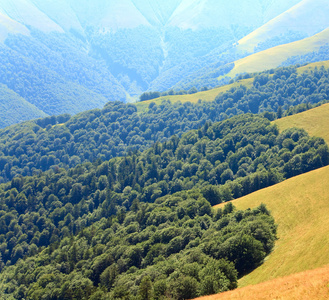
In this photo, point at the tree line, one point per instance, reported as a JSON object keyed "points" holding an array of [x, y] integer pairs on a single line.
{"points": [[65, 141]]}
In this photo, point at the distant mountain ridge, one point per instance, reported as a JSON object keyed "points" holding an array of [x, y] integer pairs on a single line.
{"points": [[116, 50], [64, 15], [293, 20]]}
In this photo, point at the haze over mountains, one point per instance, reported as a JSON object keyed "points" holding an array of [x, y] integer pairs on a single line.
{"points": [[67, 56]]}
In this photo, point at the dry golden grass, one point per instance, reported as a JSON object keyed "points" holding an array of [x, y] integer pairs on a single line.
{"points": [[273, 57], [309, 285], [209, 95], [300, 206], [314, 121], [312, 66]]}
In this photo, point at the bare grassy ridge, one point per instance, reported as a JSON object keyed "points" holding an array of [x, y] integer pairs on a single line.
{"points": [[273, 57], [209, 95], [314, 121], [300, 207]]}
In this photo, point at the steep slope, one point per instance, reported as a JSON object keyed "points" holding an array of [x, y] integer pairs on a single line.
{"points": [[314, 121], [8, 25], [108, 14], [291, 22], [25, 12], [157, 13], [107, 206], [115, 50], [275, 56], [55, 82], [199, 14], [300, 206], [118, 127], [310, 285], [61, 13], [15, 108]]}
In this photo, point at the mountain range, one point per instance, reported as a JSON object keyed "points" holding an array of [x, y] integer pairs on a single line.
{"points": [[116, 202], [68, 56]]}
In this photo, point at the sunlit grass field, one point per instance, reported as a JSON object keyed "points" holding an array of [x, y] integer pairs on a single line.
{"points": [[300, 206], [314, 121], [209, 95], [274, 57], [309, 285]]}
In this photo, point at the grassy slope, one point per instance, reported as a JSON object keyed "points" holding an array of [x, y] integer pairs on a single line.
{"points": [[311, 66], [310, 285], [315, 12], [314, 121], [273, 57], [209, 95], [300, 206]]}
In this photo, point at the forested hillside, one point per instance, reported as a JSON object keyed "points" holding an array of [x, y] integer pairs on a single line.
{"points": [[125, 222], [53, 76], [16, 108], [104, 199], [117, 203], [65, 141]]}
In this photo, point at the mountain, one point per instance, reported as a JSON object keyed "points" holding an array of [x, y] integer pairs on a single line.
{"points": [[269, 46], [119, 128], [115, 50], [16, 108], [304, 198], [291, 22], [116, 202], [274, 57], [101, 228]]}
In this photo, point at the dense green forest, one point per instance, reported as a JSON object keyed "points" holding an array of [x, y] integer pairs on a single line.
{"points": [[225, 160], [177, 248], [142, 226], [117, 204], [64, 141]]}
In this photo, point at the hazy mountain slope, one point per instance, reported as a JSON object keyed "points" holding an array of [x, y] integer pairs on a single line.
{"points": [[211, 13], [25, 12], [119, 49], [304, 19], [53, 83], [157, 13], [110, 14], [8, 25], [15, 109], [61, 13], [275, 56]]}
